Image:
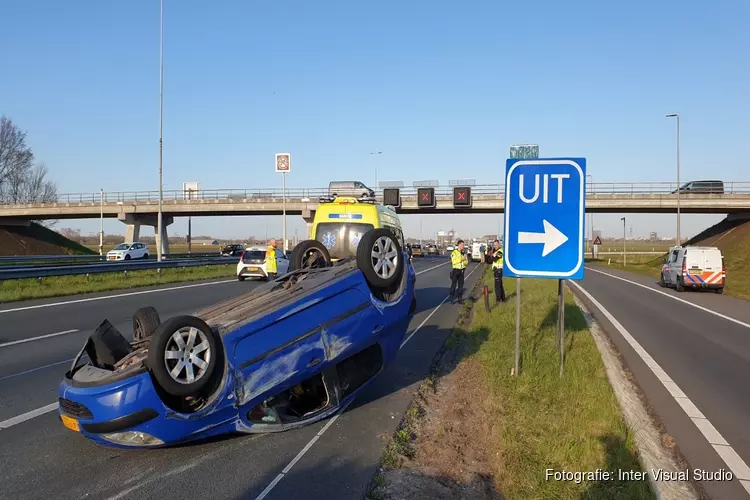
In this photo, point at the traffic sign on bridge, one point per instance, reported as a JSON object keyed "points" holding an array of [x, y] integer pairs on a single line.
{"points": [[545, 204]]}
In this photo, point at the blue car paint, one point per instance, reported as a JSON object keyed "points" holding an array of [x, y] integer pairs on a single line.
{"points": [[353, 320]]}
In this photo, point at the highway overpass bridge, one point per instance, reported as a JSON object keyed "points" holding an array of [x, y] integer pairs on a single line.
{"points": [[140, 208]]}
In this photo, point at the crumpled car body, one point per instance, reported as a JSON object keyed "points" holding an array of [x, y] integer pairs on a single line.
{"points": [[291, 352]]}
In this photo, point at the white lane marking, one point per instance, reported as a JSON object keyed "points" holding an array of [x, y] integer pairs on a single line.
{"points": [[45, 409], [27, 416], [723, 316], [726, 452], [320, 433], [107, 297], [431, 268], [408, 338], [143, 292], [40, 337], [35, 369]]}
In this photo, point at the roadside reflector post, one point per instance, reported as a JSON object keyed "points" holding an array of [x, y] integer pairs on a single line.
{"points": [[486, 298]]}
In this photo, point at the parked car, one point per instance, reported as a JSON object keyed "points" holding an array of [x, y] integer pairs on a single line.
{"points": [[289, 353], [252, 263], [232, 250], [694, 267], [433, 250], [128, 251], [416, 250]]}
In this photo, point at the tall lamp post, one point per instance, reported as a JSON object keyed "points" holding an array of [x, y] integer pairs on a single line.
{"points": [[159, 225], [591, 214], [101, 222], [677, 115], [375, 167], [624, 248]]}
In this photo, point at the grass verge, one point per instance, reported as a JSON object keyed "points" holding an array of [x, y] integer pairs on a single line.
{"points": [[537, 421], [570, 423], [56, 286]]}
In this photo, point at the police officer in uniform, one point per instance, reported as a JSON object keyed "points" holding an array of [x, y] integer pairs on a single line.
{"points": [[271, 268], [497, 269], [459, 263]]}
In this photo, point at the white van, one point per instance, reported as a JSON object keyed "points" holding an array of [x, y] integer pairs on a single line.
{"points": [[476, 252], [694, 267]]}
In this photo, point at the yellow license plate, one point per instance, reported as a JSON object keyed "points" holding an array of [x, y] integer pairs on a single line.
{"points": [[70, 423], [252, 268], [696, 271]]}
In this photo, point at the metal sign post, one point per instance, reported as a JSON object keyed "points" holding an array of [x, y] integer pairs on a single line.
{"points": [[545, 207], [283, 165]]}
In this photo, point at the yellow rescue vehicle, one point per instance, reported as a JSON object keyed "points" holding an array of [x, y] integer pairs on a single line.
{"points": [[340, 222]]}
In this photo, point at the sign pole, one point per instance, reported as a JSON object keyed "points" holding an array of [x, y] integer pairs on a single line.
{"points": [[562, 325], [283, 209], [560, 305], [518, 323]]}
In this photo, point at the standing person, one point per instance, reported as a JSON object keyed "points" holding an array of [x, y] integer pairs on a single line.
{"points": [[271, 268], [497, 269], [459, 262]]}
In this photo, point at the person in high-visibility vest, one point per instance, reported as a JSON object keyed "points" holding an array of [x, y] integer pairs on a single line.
{"points": [[459, 263], [497, 269], [271, 268]]}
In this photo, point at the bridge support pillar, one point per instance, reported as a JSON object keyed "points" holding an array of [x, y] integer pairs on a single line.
{"points": [[133, 223], [738, 216], [309, 216]]}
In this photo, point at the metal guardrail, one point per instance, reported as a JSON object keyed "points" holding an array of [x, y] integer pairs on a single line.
{"points": [[108, 267], [312, 194], [61, 258]]}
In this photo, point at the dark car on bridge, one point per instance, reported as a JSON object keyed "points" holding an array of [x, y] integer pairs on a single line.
{"points": [[290, 352]]}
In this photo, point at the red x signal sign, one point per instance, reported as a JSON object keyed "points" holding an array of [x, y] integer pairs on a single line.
{"points": [[462, 196], [425, 197]]}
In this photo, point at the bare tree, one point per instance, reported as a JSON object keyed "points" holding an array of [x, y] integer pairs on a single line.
{"points": [[71, 234], [21, 180]]}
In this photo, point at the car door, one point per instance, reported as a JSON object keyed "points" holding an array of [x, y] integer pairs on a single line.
{"points": [[673, 271], [282, 262]]}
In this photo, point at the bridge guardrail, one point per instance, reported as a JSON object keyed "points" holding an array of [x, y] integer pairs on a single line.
{"points": [[312, 194], [108, 267]]}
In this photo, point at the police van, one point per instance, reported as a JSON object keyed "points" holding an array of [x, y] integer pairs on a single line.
{"points": [[340, 222], [694, 267]]}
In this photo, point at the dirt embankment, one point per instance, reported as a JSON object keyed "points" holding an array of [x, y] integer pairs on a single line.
{"points": [[36, 240]]}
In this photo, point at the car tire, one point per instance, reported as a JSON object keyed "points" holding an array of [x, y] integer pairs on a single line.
{"points": [[145, 256], [309, 254], [662, 282], [145, 322], [380, 247], [127, 257], [162, 368], [679, 286], [240, 278], [719, 291]]}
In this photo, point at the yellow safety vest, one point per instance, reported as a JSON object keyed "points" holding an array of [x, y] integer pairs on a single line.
{"points": [[458, 260], [271, 260], [497, 263]]}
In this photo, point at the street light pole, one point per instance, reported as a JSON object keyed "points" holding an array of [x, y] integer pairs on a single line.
{"points": [[624, 248], [159, 223], [101, 222], [375, 167], [677, 115]]}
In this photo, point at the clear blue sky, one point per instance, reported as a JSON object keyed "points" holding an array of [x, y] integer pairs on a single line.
{"points": [[441, 87]]}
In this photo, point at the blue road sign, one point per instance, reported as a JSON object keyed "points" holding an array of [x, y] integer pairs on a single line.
{"points": [[545, 207]]}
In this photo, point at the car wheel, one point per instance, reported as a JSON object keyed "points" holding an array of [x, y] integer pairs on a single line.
{"points": [[662, 283], [679, 287], [182, 355], [309, 254], [380, 259], [145, 256], [719, 291], [145, 322], [241, 278], [127, 257]]}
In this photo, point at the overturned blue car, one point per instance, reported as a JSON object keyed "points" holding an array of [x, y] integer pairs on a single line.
{"points": [[291, 352]]}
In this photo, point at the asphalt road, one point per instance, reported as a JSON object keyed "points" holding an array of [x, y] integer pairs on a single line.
{"points": [[706, 355], [335, 458]]}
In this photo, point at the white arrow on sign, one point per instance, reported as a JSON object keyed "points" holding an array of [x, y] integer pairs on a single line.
{"points": [[551, 237]]}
